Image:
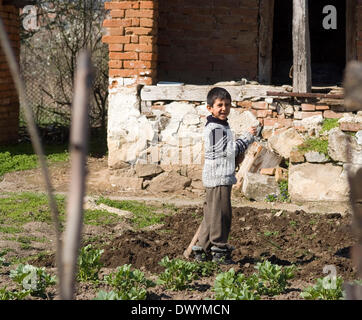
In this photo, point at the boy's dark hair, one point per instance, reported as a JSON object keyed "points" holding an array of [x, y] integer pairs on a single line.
{"points": [[217, 93]]}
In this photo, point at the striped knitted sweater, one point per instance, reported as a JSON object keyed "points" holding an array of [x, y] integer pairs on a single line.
{"points": [[220, 152]]}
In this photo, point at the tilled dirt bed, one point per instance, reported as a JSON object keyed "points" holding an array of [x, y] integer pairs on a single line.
{"points": [[309, 241]]}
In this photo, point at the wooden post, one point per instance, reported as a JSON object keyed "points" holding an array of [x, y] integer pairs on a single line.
{"points": [[302, 72], [353, 88], [79, 149], [351, 30], [266, 14]]}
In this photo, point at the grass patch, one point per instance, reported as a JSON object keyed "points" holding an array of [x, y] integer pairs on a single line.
{"points": [[329, 124], [143, 215], [19, 208], [100, 218], [314, 144], [21, 156]]}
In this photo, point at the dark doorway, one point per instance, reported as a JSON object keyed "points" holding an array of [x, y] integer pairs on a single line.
{"points": [[328, 47]]}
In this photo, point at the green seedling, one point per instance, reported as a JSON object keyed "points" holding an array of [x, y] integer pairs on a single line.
{"points": [[178, 273], [129, 284], [89, 263], [273, 279], [13, 295], [111, 295], [231, 286], [327, 288], [32, 279]]}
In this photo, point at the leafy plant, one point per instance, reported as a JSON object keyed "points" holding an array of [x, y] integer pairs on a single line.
{"points": [[327, 288], [206, 268], [231, 286], [129, 285], [89, 263], [284, 194], [271, 233], [2, 260], [178, 273], [32, 279], [13, 295], [272, 278], [271, 197], [103, 295]]}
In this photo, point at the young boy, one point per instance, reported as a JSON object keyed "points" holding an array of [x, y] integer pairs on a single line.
{"points": [[218, 176]]}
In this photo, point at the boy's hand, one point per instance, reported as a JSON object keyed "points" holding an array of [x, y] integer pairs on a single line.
{"points": [[253, 130]]}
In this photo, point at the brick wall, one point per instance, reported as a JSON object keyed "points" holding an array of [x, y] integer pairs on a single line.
{"points": [[9, 102], [359, 30], [131, 36], [206, 41]]}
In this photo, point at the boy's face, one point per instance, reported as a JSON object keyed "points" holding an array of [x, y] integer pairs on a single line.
{"points": [[220, 109]]}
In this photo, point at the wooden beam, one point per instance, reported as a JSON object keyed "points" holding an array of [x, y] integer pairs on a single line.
{"points": [[266, 14], [302, 71], [199, 93], [351, 30]]}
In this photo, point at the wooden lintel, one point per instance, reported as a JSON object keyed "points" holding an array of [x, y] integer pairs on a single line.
{"points": [[305, 95]]}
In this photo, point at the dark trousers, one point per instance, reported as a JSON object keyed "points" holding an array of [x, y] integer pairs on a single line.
{"points": [[216, 224]]}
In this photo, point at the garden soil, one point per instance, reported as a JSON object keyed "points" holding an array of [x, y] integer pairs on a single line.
{"points": [[308, 239]]}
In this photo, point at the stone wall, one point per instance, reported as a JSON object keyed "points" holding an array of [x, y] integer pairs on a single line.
{"points": [[9, 102], [157, 145]]}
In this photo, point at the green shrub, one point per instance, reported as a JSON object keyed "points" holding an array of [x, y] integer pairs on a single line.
{"points": [[89, 263], [32, 279], [129, 285], [327, 288]]}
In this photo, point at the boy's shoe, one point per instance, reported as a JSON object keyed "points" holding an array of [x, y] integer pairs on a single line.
{"points": [[199, 254], [221, 255]]}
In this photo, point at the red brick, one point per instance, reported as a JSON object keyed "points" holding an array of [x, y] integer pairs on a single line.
{"points": [[321, 107], [148, 5], [123, 55], [285, 122], [308, 107], [117, 23], [121, 5], [140, 13], [267, 171], [146, 39], [139, 47], [115, 47], [117, 13], [130, 64], [139, 30], [332, 115], [263, 113], [148, 56], [310, 114], [145, 22], [117, 31], [115, 64], [270, 122], [116, 39], [260, 105], [350, 126], [122, 73], [245, 104]]}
